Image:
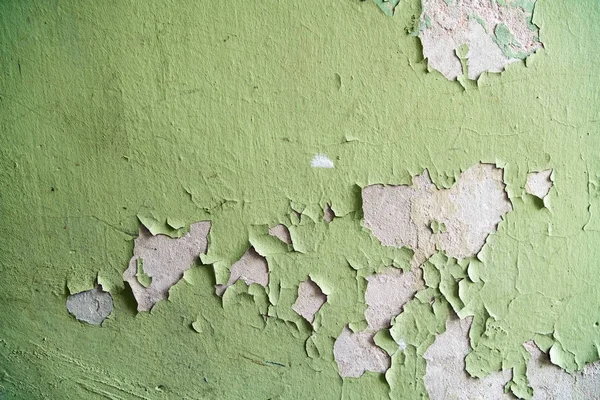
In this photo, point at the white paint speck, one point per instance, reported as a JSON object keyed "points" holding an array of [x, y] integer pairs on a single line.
{"points": [[401, 345], [321, 161]]}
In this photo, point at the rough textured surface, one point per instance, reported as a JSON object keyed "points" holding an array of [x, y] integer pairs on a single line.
{"points": [[446, 377], [177, 112], [282, 233], [549, 382], [539, 183], [497, 33], [356, 353], [469, 211], [251, 268], [163, 260], [386, 294], [310, 300], [92, 306]]}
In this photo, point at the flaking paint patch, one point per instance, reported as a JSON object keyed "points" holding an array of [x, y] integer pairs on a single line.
{"points": [[551, 382], [386, 294], [356, 353], [445, 376], [163, 261], [469, 211], [496, 33], [539, 183], [328, 213], [92, 306], [251, 268], [282, 233], [310, 300]]}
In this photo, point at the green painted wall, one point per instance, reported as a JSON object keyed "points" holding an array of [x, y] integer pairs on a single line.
{"points": [[199, 110]]}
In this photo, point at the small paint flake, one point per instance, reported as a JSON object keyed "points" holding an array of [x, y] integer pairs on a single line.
{"points": [[321, 161], [92, 306]]}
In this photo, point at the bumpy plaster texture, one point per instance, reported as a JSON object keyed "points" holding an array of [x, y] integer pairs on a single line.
{"points": [[356, 353], [282, 233], [92, 306], [159, 262], [497, 33], [550, 382], [539, 183], [446, 377], [251, 268], [386, 294], [462, 216], [310, 300]]}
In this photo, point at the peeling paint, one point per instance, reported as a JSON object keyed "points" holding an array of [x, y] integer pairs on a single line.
{"points": [[356, 353], [551, 382], [251, 268], [446, 377], [159, 262], [282, 233], [310, 300], [386, 294], [92, 306], [496, 34], [470, 210], [539, 183], [321, 161]]}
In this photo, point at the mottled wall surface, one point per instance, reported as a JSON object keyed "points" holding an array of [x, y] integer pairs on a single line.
{"points": [[312, 200]]}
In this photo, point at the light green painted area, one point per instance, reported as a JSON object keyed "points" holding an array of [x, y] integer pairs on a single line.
{"points": [[197, 110]]}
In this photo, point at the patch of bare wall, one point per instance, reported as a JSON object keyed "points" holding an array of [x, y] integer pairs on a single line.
{"points": [[159, 262], [423, 217], [386, 294], [495, 33]]}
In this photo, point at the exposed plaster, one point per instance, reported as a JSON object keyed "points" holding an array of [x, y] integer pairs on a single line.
{"points": [[356, 353], [310, 300], [282, 233], [387, 293], [469, 211], [92, 306], [251, 268], [496, 33], [550, 382], [159, 262], [445, 376], [539, 183]]}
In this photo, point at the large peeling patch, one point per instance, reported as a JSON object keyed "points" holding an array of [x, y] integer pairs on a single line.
{"points": [[496, 33], [423, 217]]}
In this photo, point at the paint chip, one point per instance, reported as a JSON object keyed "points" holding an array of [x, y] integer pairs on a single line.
{"points": [[282, 233], [356, 352], [310, 300], [251, 268], [386, 294], [328, 213], [539, 183], [92, 306], [496, 34], [321, 161], [159, 262], [445, 376], [469, 211]]}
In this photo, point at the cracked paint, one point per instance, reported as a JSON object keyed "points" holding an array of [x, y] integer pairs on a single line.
{"points": [[497, 33], [539, 183], [446, 377], [310, 300], [159, 262], [251, 268], [469, 211], [92, 306], [356, 353]]}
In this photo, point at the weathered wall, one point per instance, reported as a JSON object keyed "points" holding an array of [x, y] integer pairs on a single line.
{"points": [[275, 199]]}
